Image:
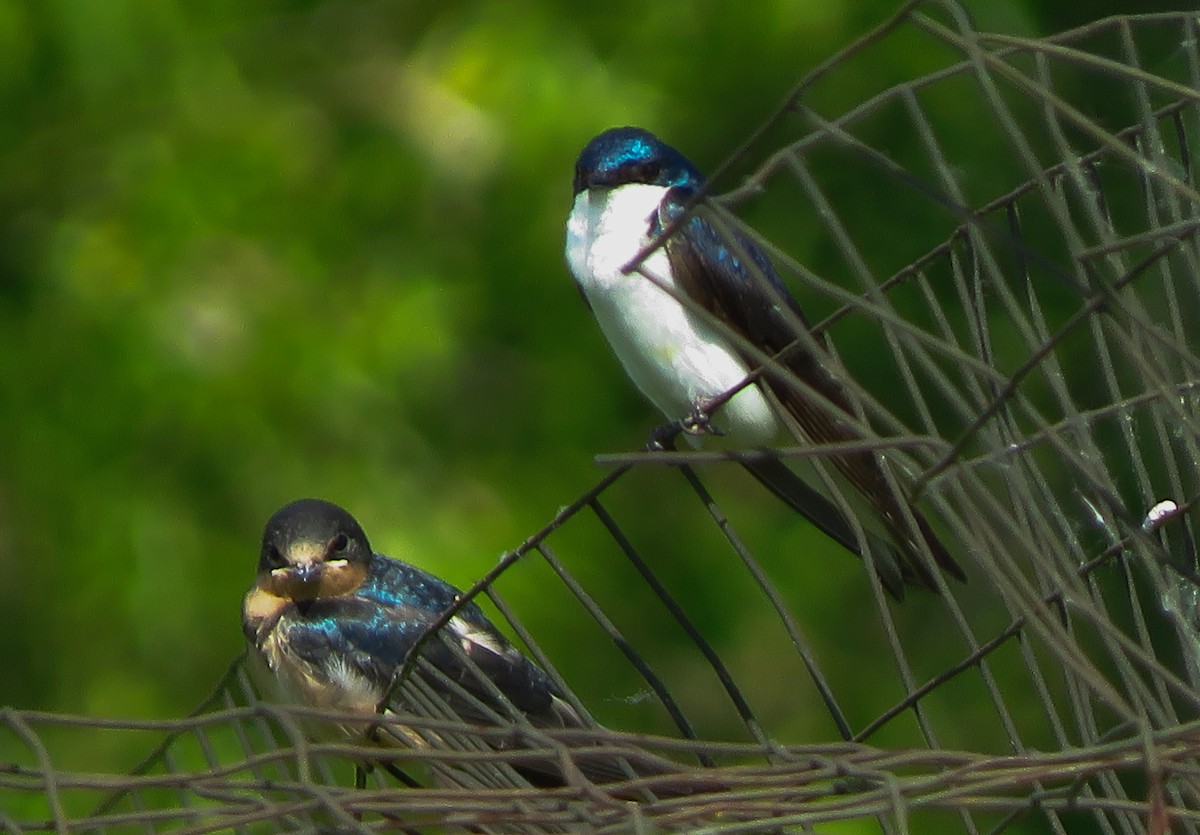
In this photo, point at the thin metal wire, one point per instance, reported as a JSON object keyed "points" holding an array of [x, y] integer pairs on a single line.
{"points": [[1043, 372]]}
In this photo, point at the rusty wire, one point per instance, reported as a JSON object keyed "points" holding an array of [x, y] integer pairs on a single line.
{"points": [[1047, 347]]}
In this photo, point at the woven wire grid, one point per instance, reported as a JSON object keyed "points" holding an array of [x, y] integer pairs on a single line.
{"points": [[1045, 347]]}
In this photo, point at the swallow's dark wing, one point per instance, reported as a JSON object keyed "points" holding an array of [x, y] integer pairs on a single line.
{"points": [[739, 286], [375, 629], [369, 634]]}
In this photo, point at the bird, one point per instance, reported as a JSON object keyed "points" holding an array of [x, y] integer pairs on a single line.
{"points": [[329, 623], [631, 188]]}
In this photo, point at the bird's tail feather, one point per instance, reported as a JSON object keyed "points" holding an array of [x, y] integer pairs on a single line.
{"points": [[793, 491], [625, 772], [821, 423], [549, 748]]}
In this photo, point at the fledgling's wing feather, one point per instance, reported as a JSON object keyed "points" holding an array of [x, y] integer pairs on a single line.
{"points": [[476, 673]]}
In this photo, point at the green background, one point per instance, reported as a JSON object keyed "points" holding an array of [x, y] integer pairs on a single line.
{"points": [[256, 251]]}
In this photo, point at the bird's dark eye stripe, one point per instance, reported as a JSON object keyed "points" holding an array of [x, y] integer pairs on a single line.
{"points": [[274, 556], [339, 542]]}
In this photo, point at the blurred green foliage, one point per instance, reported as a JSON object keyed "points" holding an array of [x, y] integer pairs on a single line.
{"points": [[251, 252]]}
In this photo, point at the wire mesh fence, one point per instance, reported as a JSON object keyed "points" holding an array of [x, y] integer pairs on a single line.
{"points": [[1047, 429]]}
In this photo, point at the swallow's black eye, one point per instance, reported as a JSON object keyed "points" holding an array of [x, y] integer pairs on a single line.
{"points": [[339, 543], [647, 171], [275, 558]]}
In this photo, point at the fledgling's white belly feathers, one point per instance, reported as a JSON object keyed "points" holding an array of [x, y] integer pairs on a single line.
{"points": [[677, 359], [338, 686]]}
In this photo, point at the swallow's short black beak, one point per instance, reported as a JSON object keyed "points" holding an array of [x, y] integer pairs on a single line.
{"points": [[307, 573]]}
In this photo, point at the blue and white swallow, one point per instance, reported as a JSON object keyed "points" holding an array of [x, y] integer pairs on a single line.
{"points": [[630, 188], [333, 622]]}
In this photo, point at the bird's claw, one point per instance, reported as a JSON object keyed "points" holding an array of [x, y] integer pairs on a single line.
{"points": [[699, 422]]}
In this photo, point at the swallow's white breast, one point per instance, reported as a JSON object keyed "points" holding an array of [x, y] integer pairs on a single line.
{"points": [[677, 359]]}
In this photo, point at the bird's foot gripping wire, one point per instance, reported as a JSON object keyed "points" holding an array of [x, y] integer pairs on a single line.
{"points": [[699, 422]]}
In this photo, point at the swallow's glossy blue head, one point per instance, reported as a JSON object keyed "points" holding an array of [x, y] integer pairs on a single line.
{"points": [[632, 155], [312, 548]]}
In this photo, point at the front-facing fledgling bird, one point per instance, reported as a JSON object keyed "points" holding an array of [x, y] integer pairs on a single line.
{"points": [[332, 622], [631, 188]]}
